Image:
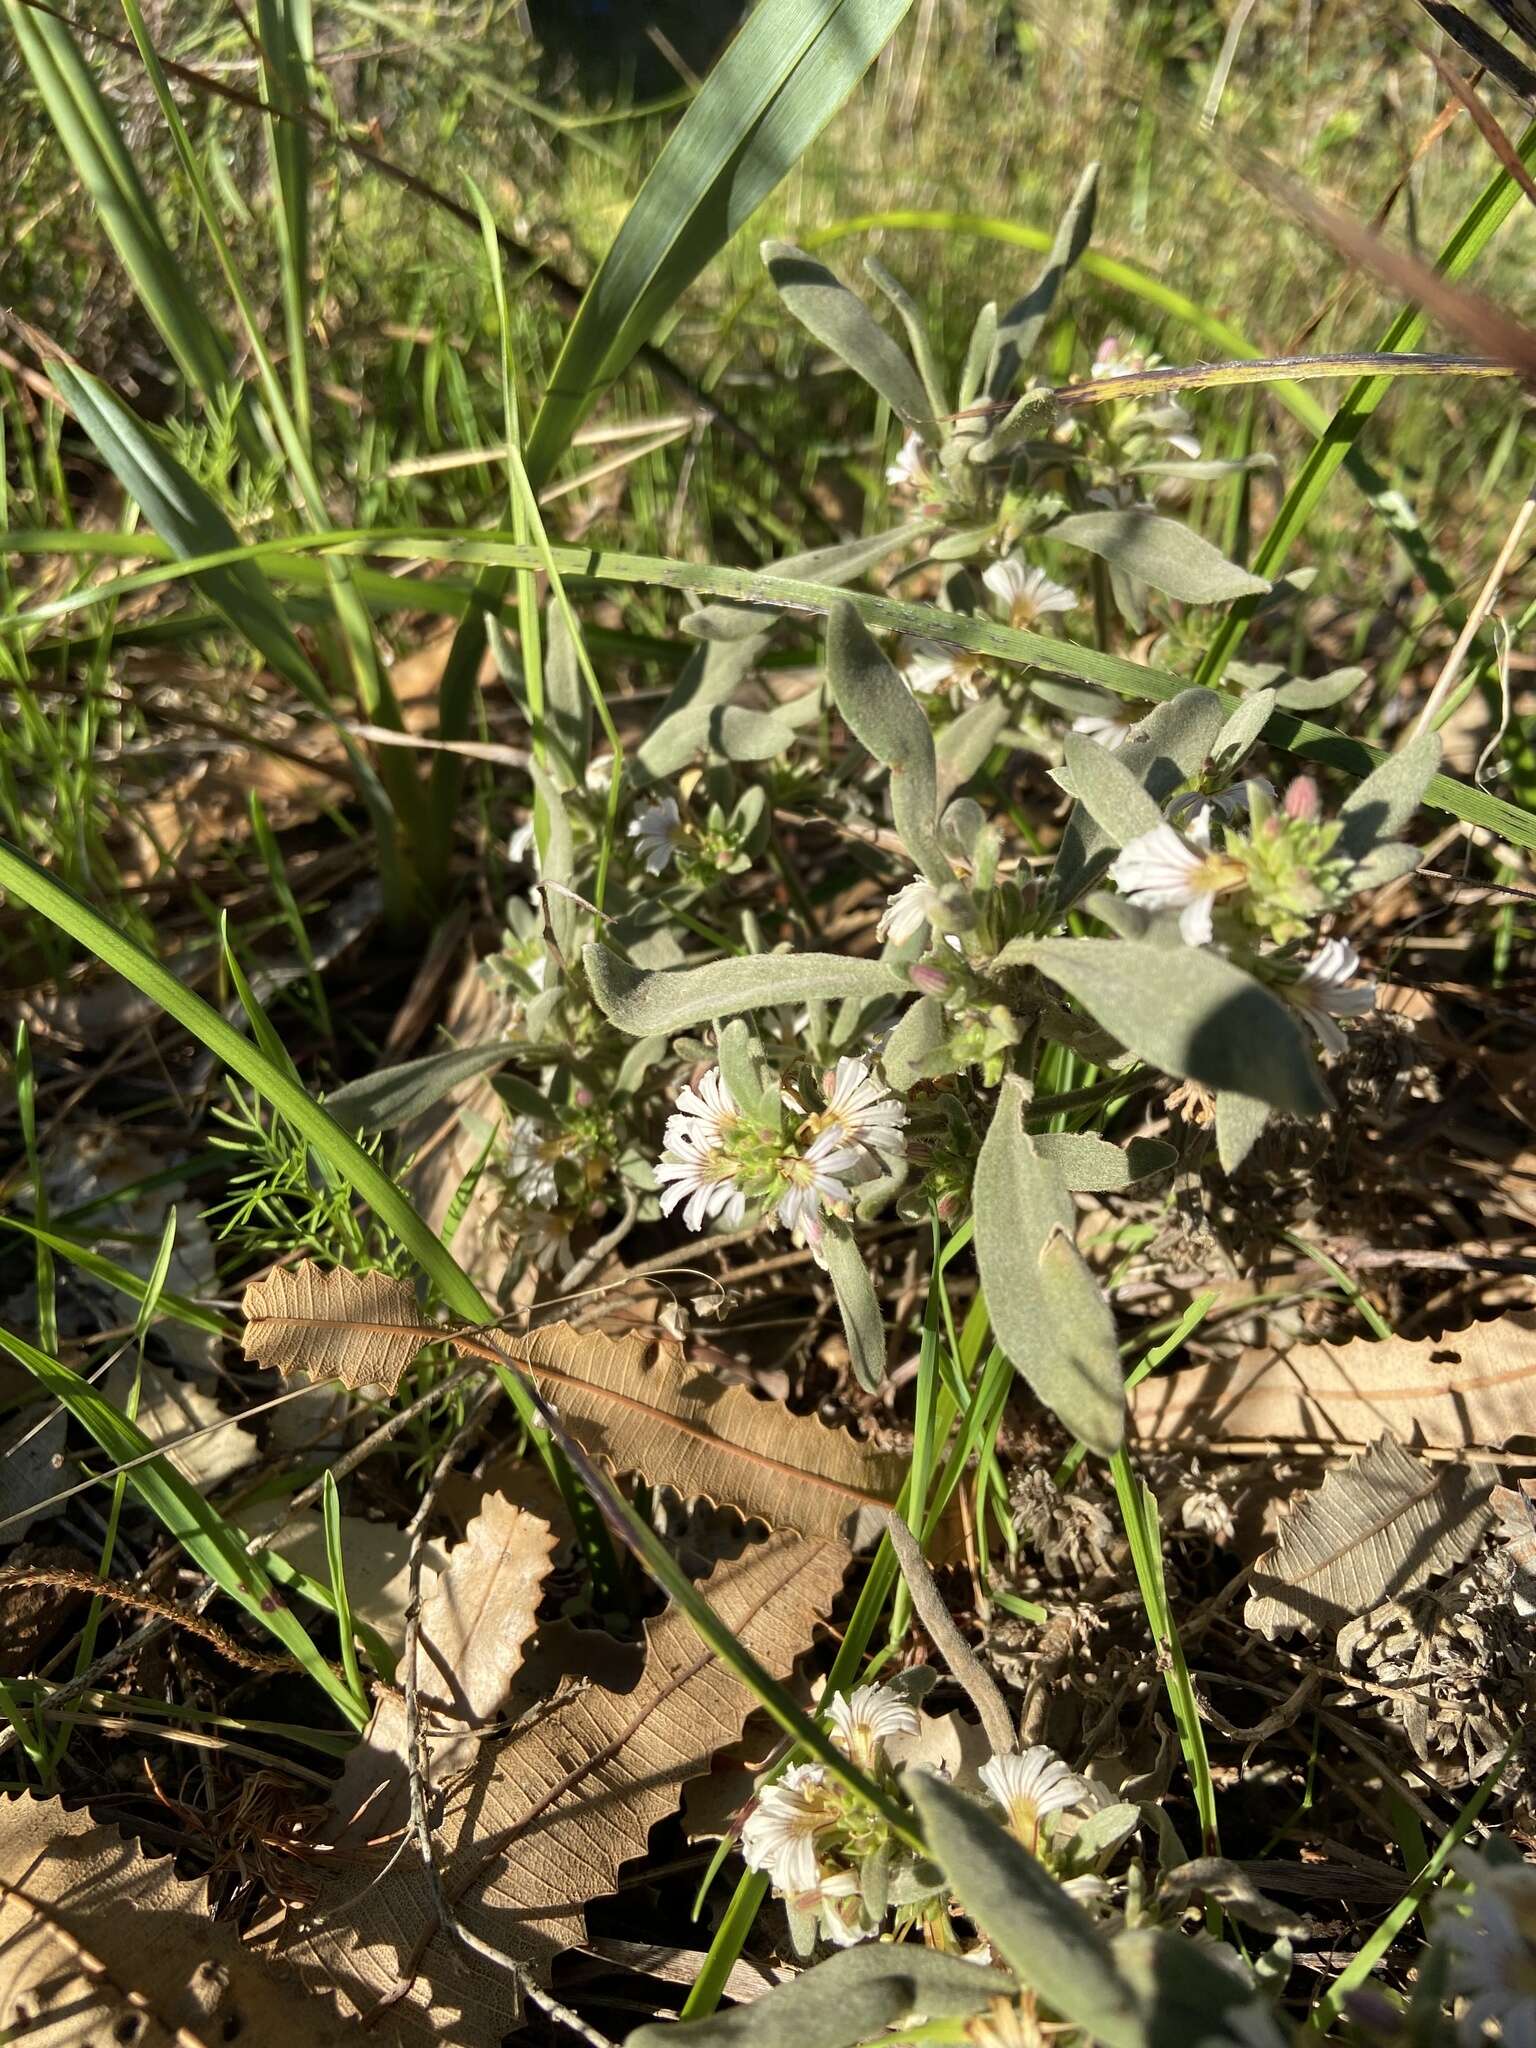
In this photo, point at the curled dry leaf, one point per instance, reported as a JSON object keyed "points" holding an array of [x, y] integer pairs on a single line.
{"points": [[103, 1943], [635, 1402], [1472, 1389], [475, 1620], [1375, 1529], [170, 1410], [546, 1819]]}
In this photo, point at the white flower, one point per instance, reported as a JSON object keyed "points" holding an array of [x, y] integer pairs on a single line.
{"points": [[1113, 358], [1162, 870], [822, 1174], [1025, 594], [863, 1111], [703, 1177], [704, 1115], [908, 472], [907, 911], [1326, 988], [1030, 1787], [779, 1834], [932, 667], [864, 1719], [532, 1149], [1492, 1940], [656, 833], [839, 1901], [1105, 728], [520, 845]]}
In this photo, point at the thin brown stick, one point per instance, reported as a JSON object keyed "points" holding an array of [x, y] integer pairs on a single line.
{"points": [[967, 1668]]}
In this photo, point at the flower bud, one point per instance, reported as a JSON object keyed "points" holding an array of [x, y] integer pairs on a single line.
{"points": [[1303, 800], [929, 981]]}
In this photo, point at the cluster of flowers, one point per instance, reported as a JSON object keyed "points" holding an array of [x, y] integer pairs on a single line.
{"points": [[832, 1858], [788, 1157], [1244, 867]]}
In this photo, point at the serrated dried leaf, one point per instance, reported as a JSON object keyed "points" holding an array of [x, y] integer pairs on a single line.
{"points": [[360, 1328], [102, 1943], [477, 1614], [637, 1403], [1472, 1389], [546, 1819], [1374, 1530]]}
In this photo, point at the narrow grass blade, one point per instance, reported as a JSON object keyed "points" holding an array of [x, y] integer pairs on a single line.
{"points": [[287, 32]]}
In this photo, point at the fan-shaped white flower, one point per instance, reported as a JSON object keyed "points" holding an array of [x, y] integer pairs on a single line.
{"points": [[779, 1834], [1164, 870], [1491, 1935], [863, 1111], [933, 668], [908, 472], [703, 1178], [1025, 594], [1326, 988], [532, 1149], [824, 1173], [1103, 727], [906, 911], [863, 1720], [1030, 1786], [704, 1114], [656, 833]]}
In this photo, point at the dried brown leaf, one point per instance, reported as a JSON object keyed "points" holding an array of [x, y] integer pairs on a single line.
{"points": [[635, 1402], [1471, 1390], [1374, 1530], [546, 1819], [376, 1555], [100, 1943], [638, 1404], [169, 1409], [475, 1620], [360, 1328]]}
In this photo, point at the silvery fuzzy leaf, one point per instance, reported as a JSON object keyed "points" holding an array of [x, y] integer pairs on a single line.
{"points": [[567, 701], [978, 355], [857, 1302], [962, 825], [884, 716], [1128, 919], [835, 565], [1018, 332], [392, 1096], [1108, 790], [746, 1073], [1319, 693], [1240, 1120], [1050, 1317], [1163, 751], [1216, 1877], [1043, 1934], [1206, 469], [1092, 1166], [823, 304], [1375, 1529], [916, 1040], [965, 743], [1385, 863], [710, 675], [961, 544], [1161, 552], [1193, 1995], [1090, 1846], [638, 1061], [856, 1995], [1207, 1022], [642, 1003], [1243, 727], [557, 864], [1382, 805], [917, 339]]}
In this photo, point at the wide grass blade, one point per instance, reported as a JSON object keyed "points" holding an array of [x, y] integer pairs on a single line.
{"points": [[287, 32], [89, 132]]}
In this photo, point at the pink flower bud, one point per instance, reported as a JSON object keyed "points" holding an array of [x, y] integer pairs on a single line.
{"points": [[1303, 800], [931, 981], [584, 1098]]}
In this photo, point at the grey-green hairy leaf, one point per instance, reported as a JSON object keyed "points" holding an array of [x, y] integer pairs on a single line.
{"points": [[642, 1003], [1092, 1166], [966, 741], [856, 1995], [1196, 1015], [1046, 1308], [567, 701], [884, 716], [1319, 693], [1388, 797], [1240, 1121], [857, 1302], [1018, 332], [383, 1101], [1107, 790], [1046, 1937], [841, 321], [1244, 727], [1161, 552], [1193, 1996], [913, 1048]]}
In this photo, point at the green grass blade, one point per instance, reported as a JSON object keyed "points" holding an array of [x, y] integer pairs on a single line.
{"points": [[100, 1267], [88, 129], [287, 32], [336, 1565], [1489, 211], [194, 1523]]}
